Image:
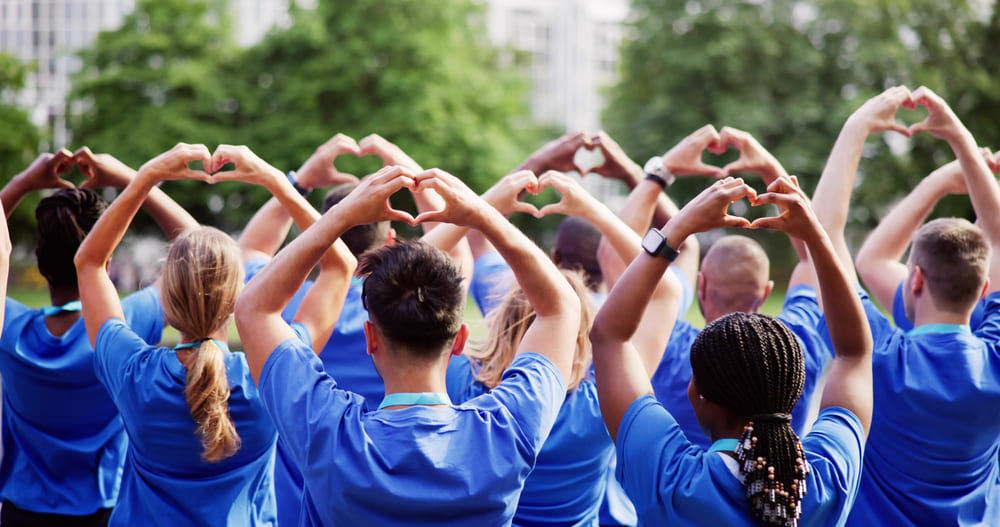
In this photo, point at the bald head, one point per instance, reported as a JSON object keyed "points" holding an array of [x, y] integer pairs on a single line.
{"points": [[734, 276]]}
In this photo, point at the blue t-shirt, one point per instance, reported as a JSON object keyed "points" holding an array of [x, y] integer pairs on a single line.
{"points": [[570, 475], [800, 312], [63, 442], [932, 450], [902, 322], [165, 481], [673, 482], [421, 465]]}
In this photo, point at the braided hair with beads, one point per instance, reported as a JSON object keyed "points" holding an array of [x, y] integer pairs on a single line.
{"points": [[752, 364]]}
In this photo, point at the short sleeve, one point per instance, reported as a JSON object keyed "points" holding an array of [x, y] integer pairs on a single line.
{"points": [[115, 345], [649, 446], [834, 448], [532, 390], [12, 310], [301, 398], [687, 290], [144, 314], [989, 328], [899, 310], [303, 333], [491, 278]]}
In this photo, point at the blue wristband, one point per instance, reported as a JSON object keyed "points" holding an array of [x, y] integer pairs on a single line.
{"points": [[295, 184]]}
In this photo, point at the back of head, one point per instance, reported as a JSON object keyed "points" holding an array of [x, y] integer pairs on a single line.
{"points": [[576, 249], [752, 365], [202, 276], [954, 256], [737, 271], [413, 293], [510, 321], [64, 219], [359, 238]]}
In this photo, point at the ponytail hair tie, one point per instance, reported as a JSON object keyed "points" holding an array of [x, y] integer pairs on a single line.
{"points": [[771, 418]]}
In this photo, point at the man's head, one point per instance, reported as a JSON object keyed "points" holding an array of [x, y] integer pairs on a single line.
{"points": [[734, 277], [415, 300], [949, 262], [64, 219], [359, 238], [576, 249]]}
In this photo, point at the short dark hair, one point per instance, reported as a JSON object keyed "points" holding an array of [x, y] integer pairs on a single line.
{"points": [[414, 295], [359, 238], [64, 219], [955, 258], [576, 249]]}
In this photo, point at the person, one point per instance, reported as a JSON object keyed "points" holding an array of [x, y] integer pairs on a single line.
{"points": [[940, 378], [416, 460], [747, 374], [568, 482], [201, 447], [734, 276], [63, 441]]}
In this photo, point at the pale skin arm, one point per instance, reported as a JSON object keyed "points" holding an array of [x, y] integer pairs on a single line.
{"points": [[983, 190], [620, 375], [557, 307], [97, 293], [321, 305], [849, 384], [43, 173], [258, 309]]}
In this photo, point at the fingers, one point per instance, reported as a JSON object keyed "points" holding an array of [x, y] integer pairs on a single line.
{"points": [[61, 161], [341, 144], [223, 155], [551, 208]]}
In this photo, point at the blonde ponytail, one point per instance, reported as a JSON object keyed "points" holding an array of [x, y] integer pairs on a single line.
{"points": [[207, 395]]}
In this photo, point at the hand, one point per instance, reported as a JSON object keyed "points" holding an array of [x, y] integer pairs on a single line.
{"points": [[878, 114], [709, 210], [390, 154], [102, 170], [462, 205], [173, 164], [369, 202], [504, 194], [951, 177], [684, 158], [753, 159], [617, 164], [44, 171], [575, 200], [941, 121], [797, 218], [249, 168], [557, 154], [318, 171]]}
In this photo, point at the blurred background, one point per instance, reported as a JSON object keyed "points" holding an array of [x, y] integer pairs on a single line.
{"points": [[473, 87]]}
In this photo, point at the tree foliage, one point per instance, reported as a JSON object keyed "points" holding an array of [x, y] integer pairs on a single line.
{"points": [[791, 71]]}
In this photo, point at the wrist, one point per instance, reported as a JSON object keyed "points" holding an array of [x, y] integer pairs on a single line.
{"points": [[292, 177], [675, 233]]}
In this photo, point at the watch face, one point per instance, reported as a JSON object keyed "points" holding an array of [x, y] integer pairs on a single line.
{"points": [[652, 241], [655, 166]]}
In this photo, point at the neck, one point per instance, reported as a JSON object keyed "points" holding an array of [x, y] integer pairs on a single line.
{"points": [[924, 315], [63, 295], [415, 378]]}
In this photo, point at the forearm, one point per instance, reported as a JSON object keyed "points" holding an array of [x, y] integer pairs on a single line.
{"points": [[13, 193], [266, 231], [845, 318], [983, 190], [300, 210], [171, 217], [107, 233], [892, 236], [322, 304]]}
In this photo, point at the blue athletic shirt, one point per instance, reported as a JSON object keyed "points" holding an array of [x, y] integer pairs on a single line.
{"points": [[904, 323], [674, 482], [932, 450], [165, 481], [800, 312], [568, 483], [458, 465], [63, 442]]}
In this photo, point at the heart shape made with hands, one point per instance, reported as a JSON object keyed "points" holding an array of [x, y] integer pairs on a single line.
{"points": [[586, 159]]}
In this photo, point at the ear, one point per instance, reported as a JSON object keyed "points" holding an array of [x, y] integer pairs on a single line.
{"points": [[767, 291], [371, 337], [554, 256], [460, 339], [702, 287], [916, 281], [986, 288], [390, 237]]}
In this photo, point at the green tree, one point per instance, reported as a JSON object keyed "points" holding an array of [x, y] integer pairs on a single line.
{"points": [[19, 138]]}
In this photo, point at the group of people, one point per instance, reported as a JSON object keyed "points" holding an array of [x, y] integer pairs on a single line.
{"points": [[358, 397]]}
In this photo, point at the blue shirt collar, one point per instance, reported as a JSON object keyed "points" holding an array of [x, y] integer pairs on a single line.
{"points": [[928, 329]]}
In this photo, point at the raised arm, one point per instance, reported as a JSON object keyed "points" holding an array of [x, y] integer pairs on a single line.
{"points": [[942, 123], [557, 307], [878, 260], [43, 173], [5, 250], [620, 375], [258, 309], [849, 384], [832, 198], [104, 170], [97, 293], [321, 305]]}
